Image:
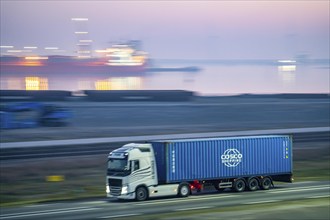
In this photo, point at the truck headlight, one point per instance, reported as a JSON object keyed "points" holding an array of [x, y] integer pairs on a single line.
{"points": [[107, 189], [124, 190]]}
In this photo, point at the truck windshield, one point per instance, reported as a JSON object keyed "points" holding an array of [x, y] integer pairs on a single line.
{"points": [[118, 165]]}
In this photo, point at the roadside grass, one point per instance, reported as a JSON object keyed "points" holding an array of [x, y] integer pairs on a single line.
{"points": [[311, 161], [281, 210], [25, 182]]}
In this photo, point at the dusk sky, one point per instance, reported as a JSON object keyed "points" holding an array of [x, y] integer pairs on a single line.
{"points": [[175, 29]]}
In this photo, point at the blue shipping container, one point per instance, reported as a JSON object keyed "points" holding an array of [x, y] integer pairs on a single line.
{"points": [[219, 158]]}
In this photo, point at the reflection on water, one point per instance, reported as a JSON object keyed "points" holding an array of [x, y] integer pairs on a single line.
{"points": [[118, 83], [213, 78], [36, 83], [245, 78]]}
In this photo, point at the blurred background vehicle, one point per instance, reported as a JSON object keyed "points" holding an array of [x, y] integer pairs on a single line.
{"points": [[33, 114]]}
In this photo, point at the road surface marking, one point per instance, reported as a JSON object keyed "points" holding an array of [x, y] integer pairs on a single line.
{"points": [[296, 188], [316, 197], [258, 202], [38, 205], [193, 208], [184, 200], [94, 202], [120, 216], [46, 212], [300, 189]]}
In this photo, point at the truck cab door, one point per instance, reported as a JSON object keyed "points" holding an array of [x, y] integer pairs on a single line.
{"points": [[135, 165]]}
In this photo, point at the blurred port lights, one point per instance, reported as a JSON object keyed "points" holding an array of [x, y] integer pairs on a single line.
{"points": [[286, 61], [14, 51], [85, 41], [30, 47], [81, 32], [79, 19], [6, 47], [36, 58], [51, 48]]}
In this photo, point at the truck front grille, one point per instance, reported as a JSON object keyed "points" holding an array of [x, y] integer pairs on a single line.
{"points": [[115, 191], [115, 186]]}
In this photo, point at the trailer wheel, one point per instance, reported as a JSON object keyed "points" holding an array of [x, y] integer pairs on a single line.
{"points": [[266, 183], [239, 185], [253, 184], [141, 193], [184, 190]]}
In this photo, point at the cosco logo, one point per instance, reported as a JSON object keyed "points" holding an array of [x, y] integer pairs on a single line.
{"points": [[231, 157]]}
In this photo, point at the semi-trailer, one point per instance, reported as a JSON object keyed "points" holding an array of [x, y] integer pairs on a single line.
{"points": [[176, 167]]}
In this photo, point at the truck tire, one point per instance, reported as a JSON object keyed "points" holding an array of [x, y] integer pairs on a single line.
{"points": [[253, 184], [184, 190], [266, 183], [239, 185], [141, 193]]}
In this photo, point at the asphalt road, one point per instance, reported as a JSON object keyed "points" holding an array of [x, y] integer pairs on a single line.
{"points": [[209, 204]]}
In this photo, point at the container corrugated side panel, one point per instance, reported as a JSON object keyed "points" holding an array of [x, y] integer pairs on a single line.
{"points": [[210, 159]]}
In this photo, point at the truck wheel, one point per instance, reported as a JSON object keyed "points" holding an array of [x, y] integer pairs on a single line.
{"points": [[184, 190], [239, 185], [253, 184], [141, 193], [266, 183]]}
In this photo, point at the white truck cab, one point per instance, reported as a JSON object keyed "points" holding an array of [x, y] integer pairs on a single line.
{"points": [[132, 174]]}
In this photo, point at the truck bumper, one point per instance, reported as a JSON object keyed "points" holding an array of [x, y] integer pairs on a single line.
{"points": [[119, 192], [123, 196]]}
